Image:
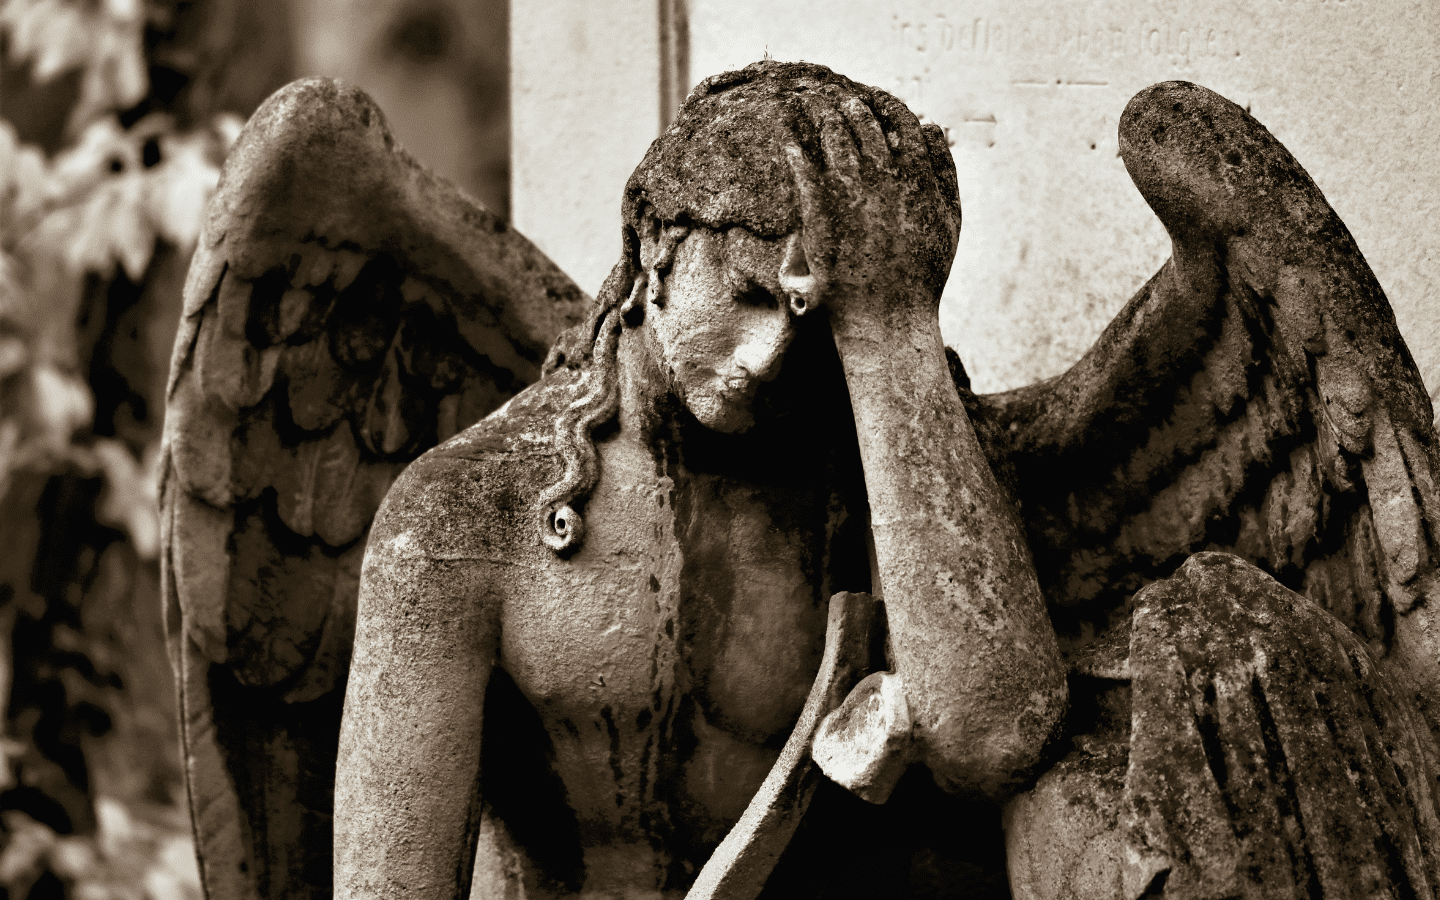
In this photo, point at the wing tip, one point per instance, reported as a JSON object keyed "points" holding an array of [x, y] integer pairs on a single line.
{"points": [[1203, 162], [316, 102], [301, 137]]}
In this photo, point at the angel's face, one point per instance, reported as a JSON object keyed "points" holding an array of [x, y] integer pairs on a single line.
{"points": [[723, 325]]}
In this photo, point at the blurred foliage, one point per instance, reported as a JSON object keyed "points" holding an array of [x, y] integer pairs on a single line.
{"points": [[103, 182]]}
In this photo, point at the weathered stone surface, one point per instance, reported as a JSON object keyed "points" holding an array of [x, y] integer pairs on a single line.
{"points": [[863, 745], [587, 96], [1029, 92], [319, 353], [1254, 396], [1263, 754], [721, 342], [1270, 756], [743, 862], [590, 623], [1062, 837]]}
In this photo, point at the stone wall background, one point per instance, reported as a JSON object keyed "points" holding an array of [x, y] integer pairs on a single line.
{"points": [[1055, 238]]}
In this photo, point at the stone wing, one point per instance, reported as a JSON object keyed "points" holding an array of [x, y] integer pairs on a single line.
{"points": [[346, 310], [1268, 756], [1254, 397]]}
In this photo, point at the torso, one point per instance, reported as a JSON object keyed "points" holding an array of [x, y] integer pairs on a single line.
{"points": [[669, 657]]}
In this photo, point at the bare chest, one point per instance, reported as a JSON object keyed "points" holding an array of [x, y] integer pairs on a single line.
{"points": [[670, 657]]}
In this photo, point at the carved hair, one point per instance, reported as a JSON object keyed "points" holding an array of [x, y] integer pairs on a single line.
{"points": [[720, 164], [589, 349]]}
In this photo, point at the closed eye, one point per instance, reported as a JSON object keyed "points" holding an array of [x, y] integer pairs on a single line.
{"points": [[755, 295]]}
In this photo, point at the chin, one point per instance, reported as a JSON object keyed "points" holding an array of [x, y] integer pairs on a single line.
{"points": [[720, 415], [734, 423]]}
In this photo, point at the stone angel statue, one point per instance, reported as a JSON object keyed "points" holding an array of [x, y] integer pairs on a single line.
{"points": [[748, 594]]}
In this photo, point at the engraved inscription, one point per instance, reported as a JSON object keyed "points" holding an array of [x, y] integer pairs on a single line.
{"points": [[1062, 51], [1060, 39]]}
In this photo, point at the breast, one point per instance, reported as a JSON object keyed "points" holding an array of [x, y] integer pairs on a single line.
{"points": [[671, 656], [751, 605]]}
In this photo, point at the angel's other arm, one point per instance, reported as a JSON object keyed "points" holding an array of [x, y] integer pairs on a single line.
{"points": [[406, 791]]}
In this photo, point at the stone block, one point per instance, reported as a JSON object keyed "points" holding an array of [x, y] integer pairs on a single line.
{"points": [[585, 88], [1056, 238]]}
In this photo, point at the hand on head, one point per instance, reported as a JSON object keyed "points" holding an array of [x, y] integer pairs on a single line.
{"points": [[876, 197]]}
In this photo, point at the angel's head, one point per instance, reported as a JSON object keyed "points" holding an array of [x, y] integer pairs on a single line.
{"points": [[712, 249], [712, 224], [717, 317]]}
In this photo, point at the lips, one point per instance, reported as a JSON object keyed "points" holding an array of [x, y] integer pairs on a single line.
{"points": [[735, 387]]}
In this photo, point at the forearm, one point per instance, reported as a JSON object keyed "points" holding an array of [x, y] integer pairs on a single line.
{"points": [[406, 798], [972, 641]]}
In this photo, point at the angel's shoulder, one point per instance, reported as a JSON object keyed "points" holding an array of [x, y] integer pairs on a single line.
{"points": [[480, 487], [523, 427]]}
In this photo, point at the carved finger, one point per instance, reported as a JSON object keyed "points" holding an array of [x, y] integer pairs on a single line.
{"points": [[941, 162], [842, 154], [868, 133], [907, 142], [815, 228]]}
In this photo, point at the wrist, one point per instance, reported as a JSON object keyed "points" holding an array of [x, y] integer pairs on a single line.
{"points": [[893, 304]]}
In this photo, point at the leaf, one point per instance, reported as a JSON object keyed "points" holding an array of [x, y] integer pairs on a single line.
{"points": [[176, 858], [27, 844], [179, 188], [63, 404], [114, 74], [118, 828], [111, 226], [23, 181], [227, 127], [12, 299], [73, 857], [102, 146], [131, 497], [52, 35], [13, 355], [102, 39], [132, 241]]}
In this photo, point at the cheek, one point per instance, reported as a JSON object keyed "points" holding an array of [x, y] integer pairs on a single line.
{"points": [[700, 347]]}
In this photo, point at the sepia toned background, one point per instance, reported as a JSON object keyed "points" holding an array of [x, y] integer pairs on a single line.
{"points": [[115, 116], [1030, 92]]}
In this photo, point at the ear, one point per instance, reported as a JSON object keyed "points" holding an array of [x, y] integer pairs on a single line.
{"points": [[796, 279], [632, 311]]}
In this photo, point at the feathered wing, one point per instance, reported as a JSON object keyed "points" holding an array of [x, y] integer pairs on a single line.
{"points": [[345, 311], [1254, 397], [1268, 756]]}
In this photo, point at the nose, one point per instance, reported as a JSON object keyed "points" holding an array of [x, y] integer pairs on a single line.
{"points": [[765, 341]]}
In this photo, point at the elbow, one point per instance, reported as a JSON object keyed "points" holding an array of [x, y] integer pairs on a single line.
{"points": [[993, 750], [978, 751]]}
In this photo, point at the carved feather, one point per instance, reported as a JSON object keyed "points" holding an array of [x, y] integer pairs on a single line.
{"points": [[1269, 757], [1254, 396], [346, 310]]}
